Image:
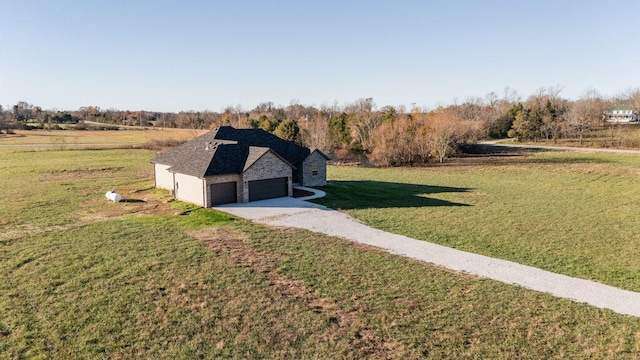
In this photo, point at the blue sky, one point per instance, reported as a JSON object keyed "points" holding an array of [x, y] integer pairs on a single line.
{"points": [[199, 55]]}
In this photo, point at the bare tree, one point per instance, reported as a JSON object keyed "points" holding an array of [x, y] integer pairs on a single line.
{"points": [[586, 113], [314, 131], [264, 107], [330, 110], [6, 123], [391, 143], [365, 121], [3, 121], [444, 133], [295, 111], [22, 111], [631, 96]]}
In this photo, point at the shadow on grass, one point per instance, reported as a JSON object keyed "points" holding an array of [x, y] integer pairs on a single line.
{"points": [[368, 194], [132, 201]]}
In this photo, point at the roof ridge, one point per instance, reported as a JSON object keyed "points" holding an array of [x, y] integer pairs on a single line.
{"points": [[232, 151]]}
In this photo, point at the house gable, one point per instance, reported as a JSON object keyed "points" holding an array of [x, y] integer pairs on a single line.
{"points": [[267, 166], [256, 153]]}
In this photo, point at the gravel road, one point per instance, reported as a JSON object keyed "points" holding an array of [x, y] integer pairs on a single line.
{"points": [[290, 212]]}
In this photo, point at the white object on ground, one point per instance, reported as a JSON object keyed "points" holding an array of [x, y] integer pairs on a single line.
{"points": [[290, 212], [113, 196]]}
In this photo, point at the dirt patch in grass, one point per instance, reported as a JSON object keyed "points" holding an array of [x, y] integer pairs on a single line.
{"points": [[26, 230], [136, 203], [132, 203], [86, 170], [343, 321]]}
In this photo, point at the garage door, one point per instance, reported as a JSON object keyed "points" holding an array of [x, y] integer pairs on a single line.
{"points": [[268, 189], [223, 193]]}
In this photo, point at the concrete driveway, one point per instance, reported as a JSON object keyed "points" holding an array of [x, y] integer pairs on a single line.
{"points": [[290, 212]]}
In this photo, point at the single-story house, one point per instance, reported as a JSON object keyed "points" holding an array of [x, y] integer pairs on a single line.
{"points": [[228, 165]]}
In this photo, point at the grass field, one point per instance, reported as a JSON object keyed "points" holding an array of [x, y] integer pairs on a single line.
{"points": [[39, 140], [150, 278], [571, 213]]}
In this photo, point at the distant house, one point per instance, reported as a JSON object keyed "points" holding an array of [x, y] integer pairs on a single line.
{"points": [[229, 165], [621, 114]]}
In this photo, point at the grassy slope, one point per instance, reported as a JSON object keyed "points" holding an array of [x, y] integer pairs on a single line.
{"points": [[575, 214], [82, 280]]}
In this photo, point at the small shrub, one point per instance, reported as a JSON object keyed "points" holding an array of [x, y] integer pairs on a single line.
{"points": [[4, 330]]}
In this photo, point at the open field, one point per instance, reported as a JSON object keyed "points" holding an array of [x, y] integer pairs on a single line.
{"points": [[43, 140], [149, 278]]}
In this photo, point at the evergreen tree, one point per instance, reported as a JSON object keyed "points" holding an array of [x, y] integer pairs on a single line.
{"points": [[287, 130]]}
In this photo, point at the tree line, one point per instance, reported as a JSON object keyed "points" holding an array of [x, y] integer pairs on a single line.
{"points": [[387, 136]]}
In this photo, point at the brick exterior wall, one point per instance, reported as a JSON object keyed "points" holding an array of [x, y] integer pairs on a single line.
{"points": [[308, 179], [222, 179], [269, 166]]}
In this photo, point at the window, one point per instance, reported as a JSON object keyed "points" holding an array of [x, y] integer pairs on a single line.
{"points": [[314, 169]]}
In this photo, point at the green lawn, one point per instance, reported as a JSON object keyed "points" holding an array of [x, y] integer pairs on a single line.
{"points": [[82, 277], [571, 213]]}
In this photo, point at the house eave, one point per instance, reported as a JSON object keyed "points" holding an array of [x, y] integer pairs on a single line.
{"points": [[325, 156]]}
